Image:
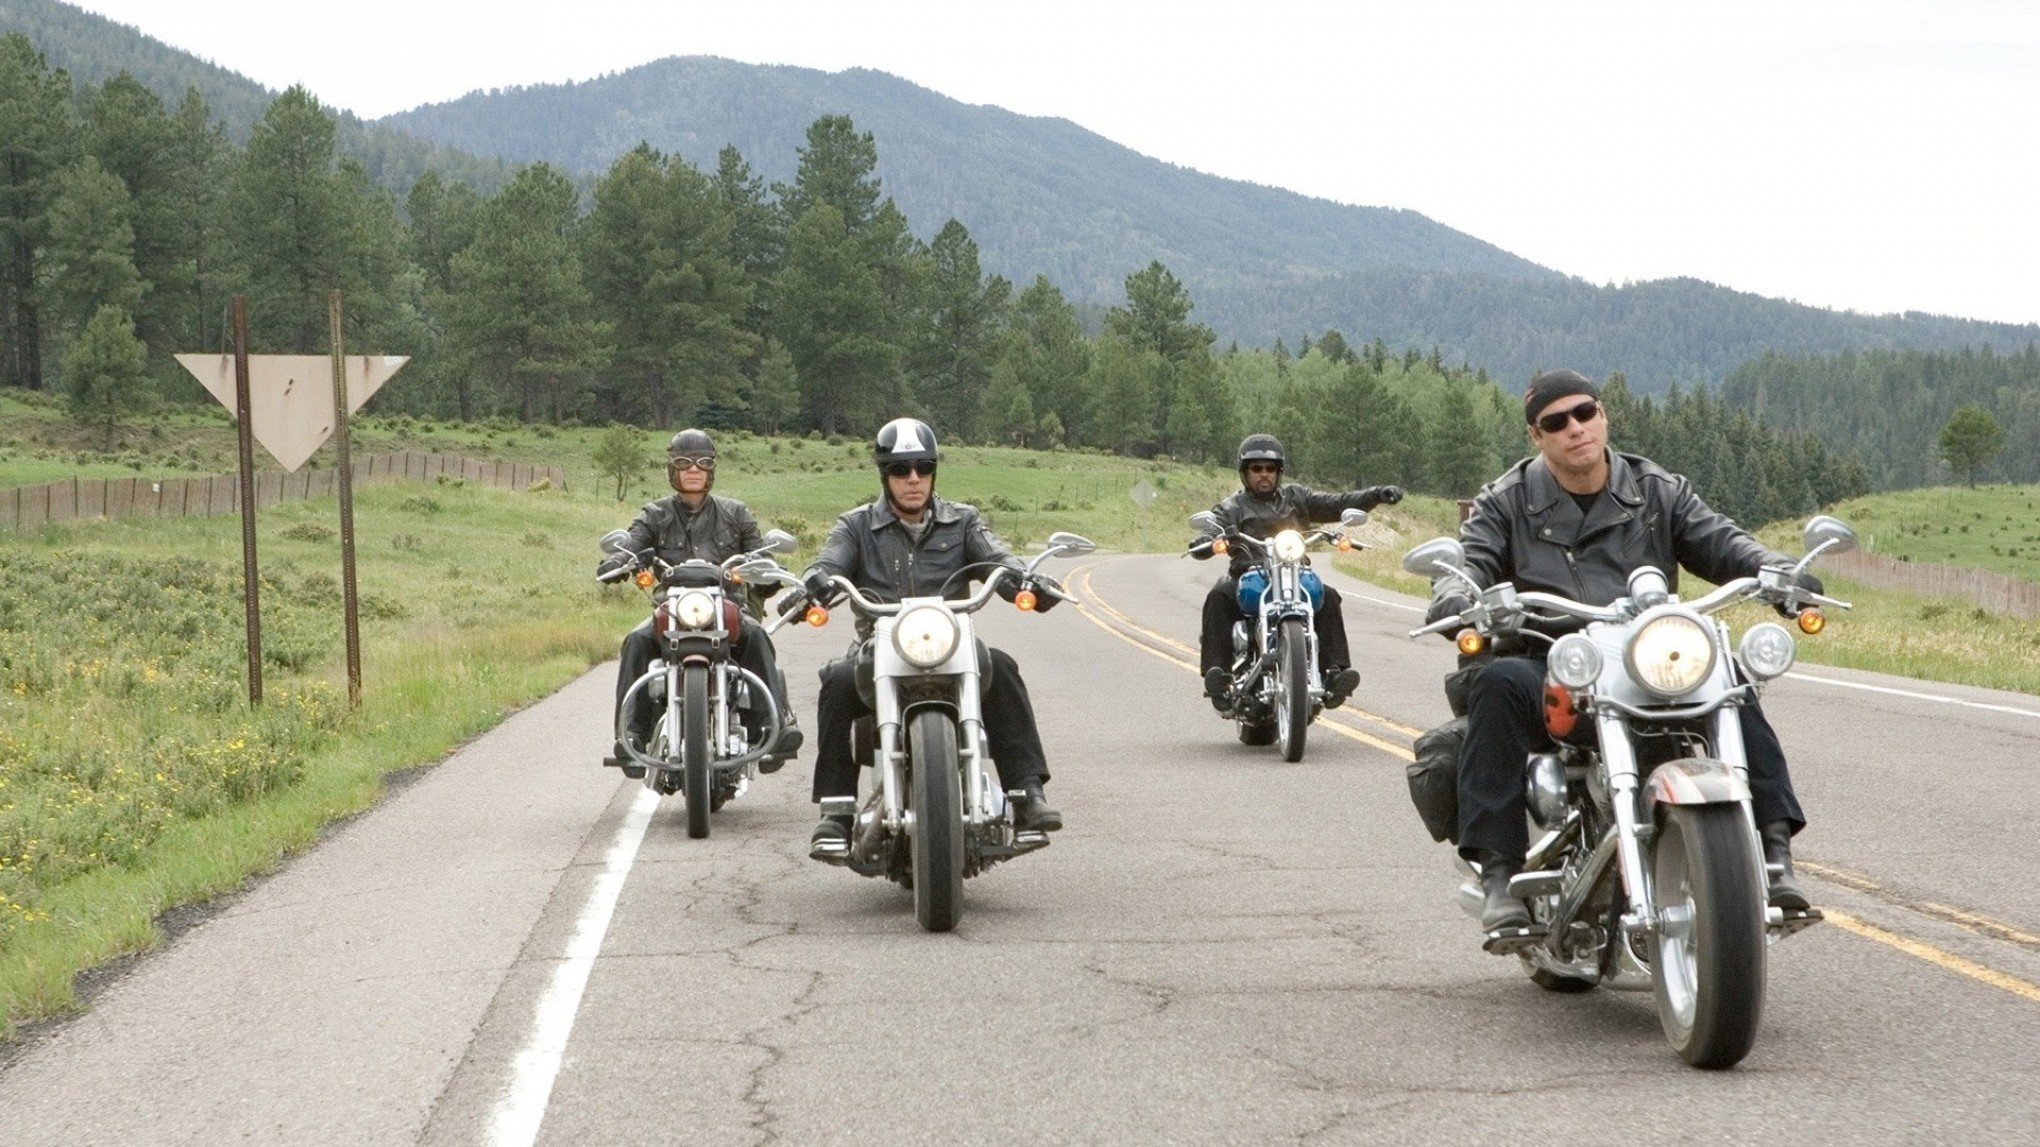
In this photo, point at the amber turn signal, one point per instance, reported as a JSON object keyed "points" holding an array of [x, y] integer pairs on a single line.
{"points": [[1471, 642], [816, 616], [1218, 546], [645, 579], [1345, 545], [1811, 621], [1024, 599]]}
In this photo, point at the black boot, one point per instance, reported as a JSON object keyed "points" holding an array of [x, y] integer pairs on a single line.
{"points": [[1031, 811], [832, 828], [1218, 687], [790, 741], [1500, 911], [1340, 681], [1785, 890]]}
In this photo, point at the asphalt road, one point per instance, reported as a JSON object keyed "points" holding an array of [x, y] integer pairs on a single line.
{"points": [[1219, 948]]}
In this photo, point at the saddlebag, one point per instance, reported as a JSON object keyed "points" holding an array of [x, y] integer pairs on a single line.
{"points": [[1434, 779]]}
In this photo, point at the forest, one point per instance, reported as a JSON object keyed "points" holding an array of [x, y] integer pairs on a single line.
{"points": [[668, 294]]}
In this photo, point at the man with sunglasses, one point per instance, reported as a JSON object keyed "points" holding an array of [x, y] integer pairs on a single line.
{"points": [[694, 523], [1575, 519], [910, 543], [1262, 506]]}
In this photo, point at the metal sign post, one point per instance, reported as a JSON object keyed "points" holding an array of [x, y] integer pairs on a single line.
{"points": [[346, 479], [1143, 496], [251, 592]]}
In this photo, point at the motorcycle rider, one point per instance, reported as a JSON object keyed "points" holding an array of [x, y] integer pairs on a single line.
{"points": [[907, 543], [694, 523], [1261, 507], [1574, 519]]}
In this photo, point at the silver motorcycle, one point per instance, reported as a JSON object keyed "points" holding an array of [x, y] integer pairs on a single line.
{"points": [[1276, 689], [699, 747], [1648, 873], [937, 814]]}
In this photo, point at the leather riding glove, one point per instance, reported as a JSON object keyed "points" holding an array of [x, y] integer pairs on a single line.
{"points": [[1374, 496]]}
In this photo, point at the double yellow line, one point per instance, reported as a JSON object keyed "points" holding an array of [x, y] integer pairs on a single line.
{"points": [[1112, 621]]}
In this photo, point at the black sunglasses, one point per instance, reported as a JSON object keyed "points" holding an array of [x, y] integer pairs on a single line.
{"points": [[1264, 467], [902, 469], [683, 462], [1584, 413]]}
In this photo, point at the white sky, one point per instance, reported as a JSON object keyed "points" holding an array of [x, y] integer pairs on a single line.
{"points": [[1875, 155]]}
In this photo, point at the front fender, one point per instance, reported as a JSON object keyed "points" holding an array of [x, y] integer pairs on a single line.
{"points": [[1695, 780]]}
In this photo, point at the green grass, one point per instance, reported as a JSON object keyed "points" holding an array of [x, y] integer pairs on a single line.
{"points": [[1986, 527]]}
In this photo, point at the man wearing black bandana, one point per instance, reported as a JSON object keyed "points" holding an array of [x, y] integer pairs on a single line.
{"points": [[1574, 519]]}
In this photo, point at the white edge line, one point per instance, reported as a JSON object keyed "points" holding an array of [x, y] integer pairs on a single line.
{"points": [[1835, 681], [521, 1109]]}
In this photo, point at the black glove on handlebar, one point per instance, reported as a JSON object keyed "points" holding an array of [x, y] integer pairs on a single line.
{"points": [[1048, 593], [1200, 548], [1808, 582], [612, 570], [1374, 496], [1446, 606], [792, 603]]}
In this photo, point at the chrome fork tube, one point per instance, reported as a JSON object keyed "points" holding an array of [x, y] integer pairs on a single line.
{"points": [[1620, 757], [888, 717]]}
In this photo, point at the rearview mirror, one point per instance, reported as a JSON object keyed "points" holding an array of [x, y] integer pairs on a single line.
{"points": [[1353, 518], [1070, 544], [615, 542], [1831, 533], [757, 568], [1205, 522], [1426, 558], [781, 542]]}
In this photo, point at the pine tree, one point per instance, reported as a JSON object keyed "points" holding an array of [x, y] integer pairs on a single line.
{"points": [[967, 312], [105, 379], [36, 142], [90, 250]]}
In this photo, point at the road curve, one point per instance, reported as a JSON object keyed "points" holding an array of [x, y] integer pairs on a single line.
{"points": [[1220, 948]]}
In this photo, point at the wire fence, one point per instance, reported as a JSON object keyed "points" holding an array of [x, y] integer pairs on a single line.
{"points": [[219, 495], [1993, 592]]}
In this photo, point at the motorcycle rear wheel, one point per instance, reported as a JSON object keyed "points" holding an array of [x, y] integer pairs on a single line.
{"points": [[935, 795], [1292, 690], [697, 776], [1707, 955]]}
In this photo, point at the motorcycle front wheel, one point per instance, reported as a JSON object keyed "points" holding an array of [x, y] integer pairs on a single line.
{"points": [[1292, 690], [1707, 955], [935, 796], [696, 776]]}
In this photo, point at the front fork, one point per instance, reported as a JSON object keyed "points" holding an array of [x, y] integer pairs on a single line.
{"points": [[1619, 754]]}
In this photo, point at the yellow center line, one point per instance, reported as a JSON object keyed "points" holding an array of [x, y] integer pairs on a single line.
{"points": [[1089, 595], [1933, 955], [1960, 917]]}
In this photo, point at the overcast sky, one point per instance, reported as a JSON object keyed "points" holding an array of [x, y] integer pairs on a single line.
{"points": [[1876, 155]]}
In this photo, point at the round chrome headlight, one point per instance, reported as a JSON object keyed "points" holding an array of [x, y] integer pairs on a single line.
{"points": [[1289, 546], [1671, 654], [925, 635], [1575, 661], [1767, 650], [694, 610]]}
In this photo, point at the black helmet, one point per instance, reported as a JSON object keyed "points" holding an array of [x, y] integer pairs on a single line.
{"points": [[904, 440], [691, 443], [1261, 448]]}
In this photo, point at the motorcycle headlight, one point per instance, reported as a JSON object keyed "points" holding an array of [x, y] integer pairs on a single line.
{"points": [[1671, 654], [1289, 546], [1767, 650], [1575, 661], [925, 635], [694, 610]]}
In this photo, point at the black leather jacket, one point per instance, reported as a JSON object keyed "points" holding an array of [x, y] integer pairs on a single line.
{"points": [[1525, 529], [1289, 507], [721, 528], [870, 546]]}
